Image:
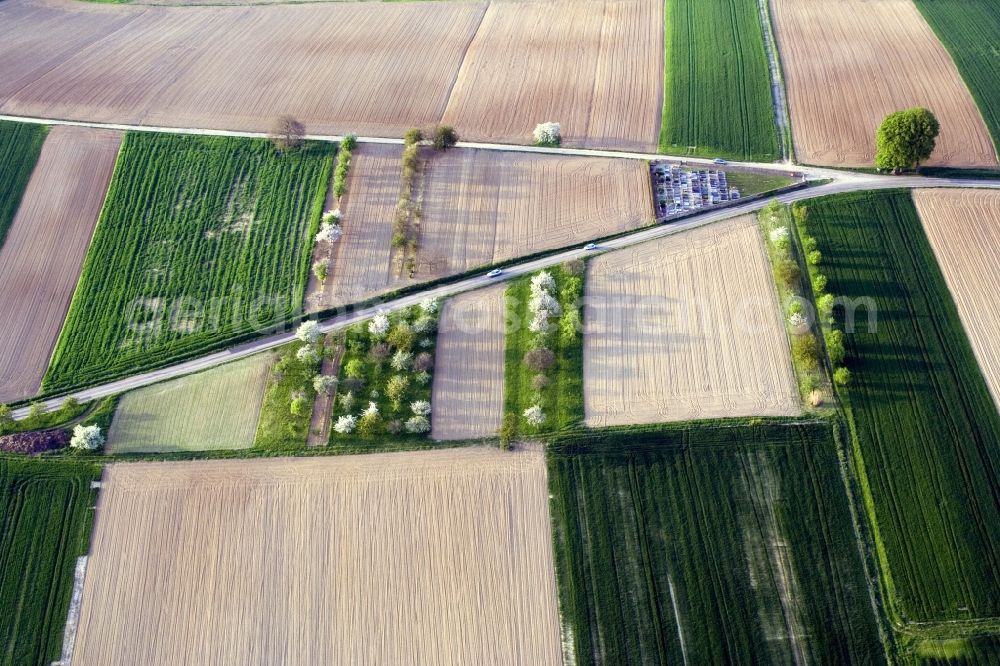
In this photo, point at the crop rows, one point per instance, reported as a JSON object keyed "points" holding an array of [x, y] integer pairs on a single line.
{"points": [[201, 240], [45, 518], [926, 429], [707, 544], [717, 90], [20, 145], [970, 30]]}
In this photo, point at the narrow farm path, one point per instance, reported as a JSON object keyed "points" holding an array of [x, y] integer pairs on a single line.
{"points": [[319, 426], [777, 83]]}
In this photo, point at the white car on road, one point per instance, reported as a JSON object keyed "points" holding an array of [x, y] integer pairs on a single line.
{"points": [[496, 272]]}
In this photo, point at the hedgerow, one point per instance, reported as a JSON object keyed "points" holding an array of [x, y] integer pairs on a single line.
{"points": [[201, 240]]}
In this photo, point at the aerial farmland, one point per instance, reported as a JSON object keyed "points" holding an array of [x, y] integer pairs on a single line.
{"points": [[522, 332]]}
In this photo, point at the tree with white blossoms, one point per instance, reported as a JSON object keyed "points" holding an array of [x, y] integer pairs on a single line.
{"points": [[345, 424], [548, 134], [430, 305], [306, 354], [371, 409], [779, 235], [420, 408], [796, 320], [545, 301], [539, 322], [401, 361], [332, 216], [88, 438], [329, 233], [534, 415], [379, 325], [308, 331], [542, 282], [417, 425], [423, 324], [326, 384]]}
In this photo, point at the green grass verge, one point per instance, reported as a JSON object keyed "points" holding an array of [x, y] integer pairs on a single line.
{"points": [[45, 515], [20, 145], [366, 371], [201, 239], [213, 409], [717, 85], [749, 183], [924, 426], [704, 543], [278, 429], [561, 399], [970, 30]]}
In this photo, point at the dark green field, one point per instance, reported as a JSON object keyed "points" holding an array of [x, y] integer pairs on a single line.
{"points": [[925, 424], [717, 86], [45, 520], [20, 144], [708, 544], [970, 30], [201, 240]]}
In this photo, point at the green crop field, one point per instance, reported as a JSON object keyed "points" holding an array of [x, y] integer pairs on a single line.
{"points": [[213, 409], [970, 30], [20, 145], [708, 544], [45, 520], [924, 422], [201, 240], [717, 85]]}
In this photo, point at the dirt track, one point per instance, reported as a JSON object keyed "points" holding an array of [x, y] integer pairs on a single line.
{"points": [[849, 63], [439, 557], [963, 227], [41, 258], [373, 68], [686, 327], [468, 375]]}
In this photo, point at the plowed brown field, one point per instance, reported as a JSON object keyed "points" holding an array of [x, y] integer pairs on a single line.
{"points": [[595, 66], [437, 557], [482, 207], [41, 258], [686, 327], [361, 260], [374, 68], [849, 63], [468, 373], [963, 227]]}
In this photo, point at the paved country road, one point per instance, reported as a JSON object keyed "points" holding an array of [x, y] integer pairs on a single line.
{"points": [[842, 181]]}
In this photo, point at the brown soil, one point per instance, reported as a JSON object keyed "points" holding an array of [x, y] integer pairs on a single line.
{"points": [[482, 207], [686, 327], [373, 68], [41, 258], [963, 227], [594, 66], [437, 557], [849, 63], [468, 374], [361, 259]]}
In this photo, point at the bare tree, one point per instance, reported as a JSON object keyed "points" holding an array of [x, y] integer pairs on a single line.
{"points": [[287, 133]]}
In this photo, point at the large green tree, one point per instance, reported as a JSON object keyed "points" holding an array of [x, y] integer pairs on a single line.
{"points": [[905, 139]]}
